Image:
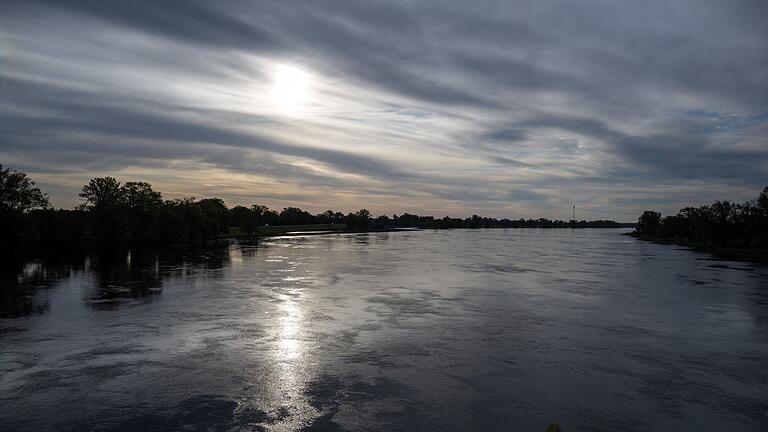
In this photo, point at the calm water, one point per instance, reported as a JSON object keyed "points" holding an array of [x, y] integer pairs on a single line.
{"points": [[434, 330]]}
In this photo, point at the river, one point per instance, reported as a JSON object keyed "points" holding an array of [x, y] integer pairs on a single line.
{"points": [[481, 330]]}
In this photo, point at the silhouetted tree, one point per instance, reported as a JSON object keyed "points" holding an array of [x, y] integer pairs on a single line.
{"points": [[18, 193], [648, 223], [360, 219], [18, 196], [249, 222], [326, 217], [762, 201], [172, 227], [103, 199], [119, 215], [139, 196], [381, 222], [143, 205], [215, 218], [235, 213], [260, 211], [295, 216], [722, 224], [102, 192], [55, 229], [270, 217]]}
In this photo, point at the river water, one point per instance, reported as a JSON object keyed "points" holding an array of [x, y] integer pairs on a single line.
{"points": [[452, 330]]}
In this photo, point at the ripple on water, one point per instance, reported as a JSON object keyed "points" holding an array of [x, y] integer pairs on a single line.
{"points": [[444, 330]]}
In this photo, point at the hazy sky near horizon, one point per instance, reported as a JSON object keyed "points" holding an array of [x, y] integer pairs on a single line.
{"points": [[501, 108]]}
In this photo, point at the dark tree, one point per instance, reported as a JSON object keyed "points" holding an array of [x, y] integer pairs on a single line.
{"points": [[115, 215], [140, 196], [215, 217], [762, 201], [18, 196], [18, 193], [102, 192], [360, 219], [104, 200], [720, 225], [295, 216], [326, 217], [143, 205], [171, 225], [270, 217], [235, 214], [249, 222], [648, 223]]}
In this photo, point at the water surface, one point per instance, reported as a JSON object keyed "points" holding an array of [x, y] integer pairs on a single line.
{"points": [[427, 330]]}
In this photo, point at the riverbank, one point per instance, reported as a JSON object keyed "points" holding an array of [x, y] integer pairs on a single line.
{"points": [[735, 254], [302, 230], [320, 229], [265, 231]]}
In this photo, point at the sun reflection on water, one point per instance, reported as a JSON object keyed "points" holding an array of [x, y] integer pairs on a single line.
{"points": [[291, 365], [290, 327]]}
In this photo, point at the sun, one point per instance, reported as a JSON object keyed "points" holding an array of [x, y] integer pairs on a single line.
{"points": [[290, 87]]}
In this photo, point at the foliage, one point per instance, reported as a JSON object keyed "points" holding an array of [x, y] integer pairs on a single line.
{"points": [[360, 219], [236, 214], [295, 216], [18, 193], [721, 224], [407, 220], [18, 196], [648, 222], [120, 215]]}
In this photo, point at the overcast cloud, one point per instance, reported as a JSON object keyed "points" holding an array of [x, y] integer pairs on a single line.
{"points": [[507, 109]]}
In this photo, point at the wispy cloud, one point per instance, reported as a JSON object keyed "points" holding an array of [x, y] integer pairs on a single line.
{"points": [[445, 107]]}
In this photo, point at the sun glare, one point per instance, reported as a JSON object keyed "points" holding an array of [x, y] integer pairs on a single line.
{"points": [[290, 87]]}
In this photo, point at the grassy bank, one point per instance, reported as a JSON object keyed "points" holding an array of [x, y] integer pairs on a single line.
{"points": [[759, 255]]}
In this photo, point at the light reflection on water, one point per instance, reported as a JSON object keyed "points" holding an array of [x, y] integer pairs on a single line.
{"points": [[290, 323], [427, 330]]}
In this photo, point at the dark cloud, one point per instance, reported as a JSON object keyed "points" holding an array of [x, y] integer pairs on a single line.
{"points": [[506, 135], [509, 161], [72, 111], [489, 104], [679, 148], [191, 21]]}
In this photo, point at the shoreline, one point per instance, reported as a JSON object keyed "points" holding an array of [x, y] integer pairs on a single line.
{"points": [[312, 232], [733, 254], [274, 232], [297, 231]]}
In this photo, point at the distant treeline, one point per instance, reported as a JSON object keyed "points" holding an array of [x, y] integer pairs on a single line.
{"points": [[407, 220], [721, 224], [115, 214]]}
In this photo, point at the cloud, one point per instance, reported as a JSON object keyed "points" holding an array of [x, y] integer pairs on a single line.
{"points": [[518, 109], [72, 111], [189, 21]]}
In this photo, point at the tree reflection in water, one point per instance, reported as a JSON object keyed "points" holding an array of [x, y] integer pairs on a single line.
{"points": [[111, 278]]}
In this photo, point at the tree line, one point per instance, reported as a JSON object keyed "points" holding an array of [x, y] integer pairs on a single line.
{"points": [[721, 224], [114, 214]]}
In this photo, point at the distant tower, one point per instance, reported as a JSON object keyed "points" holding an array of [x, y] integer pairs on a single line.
{"points": [[573, 217]]}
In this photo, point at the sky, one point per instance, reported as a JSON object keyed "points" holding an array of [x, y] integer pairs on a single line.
{"points": [[500, 108]]}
